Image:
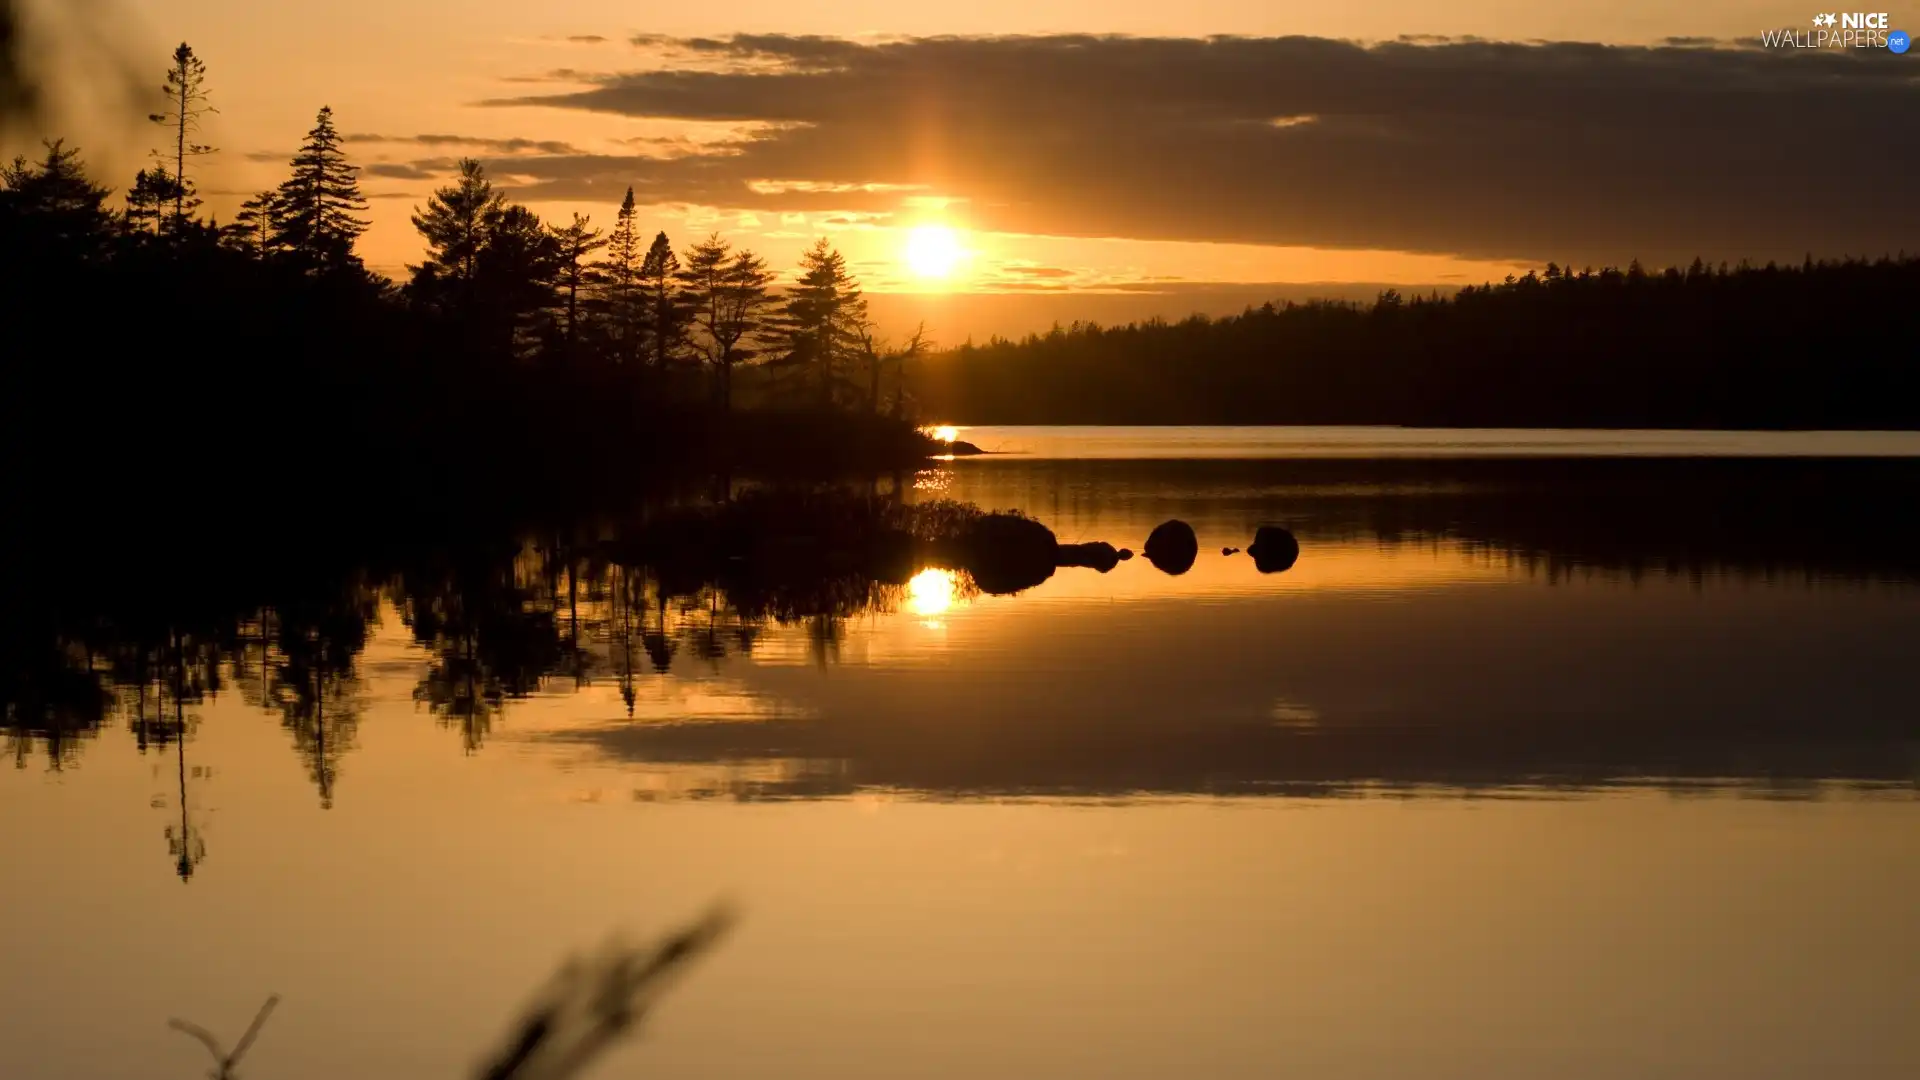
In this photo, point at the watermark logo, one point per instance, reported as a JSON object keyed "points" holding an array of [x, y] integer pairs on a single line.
{"points": [[1841, 30]]}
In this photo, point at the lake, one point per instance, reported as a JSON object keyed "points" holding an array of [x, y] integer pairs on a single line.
{"points": [[1570, 754]]}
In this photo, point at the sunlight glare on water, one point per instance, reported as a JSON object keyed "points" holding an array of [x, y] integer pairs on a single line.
{"points": [[931, 591]]}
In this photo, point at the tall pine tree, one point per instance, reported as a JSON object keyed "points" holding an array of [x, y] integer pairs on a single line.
{"points": [[315, 208], [456, 225], [186, 91], [666, 316], [575, 243], [620, 271], [820, 324], [726, 296]]}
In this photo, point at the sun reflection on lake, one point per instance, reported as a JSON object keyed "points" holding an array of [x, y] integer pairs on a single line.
{"points": [[931, 592]]}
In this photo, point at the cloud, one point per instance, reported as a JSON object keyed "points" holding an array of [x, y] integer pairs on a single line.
{"points": [[1031, 286], [428, 169], [749, 53], [782, 187], [1565, 151], [586, 39], [852, 221], [470, 142], [555, 75]]}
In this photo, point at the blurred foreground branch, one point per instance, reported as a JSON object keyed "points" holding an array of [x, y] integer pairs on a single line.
{"points": [[17, 93], [592, 1003], [224, 1063], [46, 46], [588, 1006]]}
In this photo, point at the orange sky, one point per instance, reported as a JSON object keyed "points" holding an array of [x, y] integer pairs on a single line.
{"points": [[406, 68]]}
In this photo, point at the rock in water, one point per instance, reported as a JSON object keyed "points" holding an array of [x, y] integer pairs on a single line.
{"points": [[1273, 549], [1098, 555], [1172, 547], [1006, 553]]}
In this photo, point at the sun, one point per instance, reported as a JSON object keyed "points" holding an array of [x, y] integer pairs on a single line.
{"points": [[933, 251], [946, 432]]}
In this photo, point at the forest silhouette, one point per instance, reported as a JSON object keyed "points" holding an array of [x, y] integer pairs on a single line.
{"points": [[525, 361], [521, 360], [1819, 345]]}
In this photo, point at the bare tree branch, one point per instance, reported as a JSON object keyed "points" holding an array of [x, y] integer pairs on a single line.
{"points": [[224, 1063]]}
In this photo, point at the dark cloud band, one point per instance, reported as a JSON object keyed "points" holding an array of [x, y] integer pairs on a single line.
{"points": [[1567, 151]]}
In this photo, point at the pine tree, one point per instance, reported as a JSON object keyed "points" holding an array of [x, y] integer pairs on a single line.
{"points": [[186, 91], [514, 279], [154, 200], [53, 208], [316, 206], [492, 264], [726, 295], [577, 276], [821, 320], [456, 224], [666, 317], [253, 227], [620, 271]]}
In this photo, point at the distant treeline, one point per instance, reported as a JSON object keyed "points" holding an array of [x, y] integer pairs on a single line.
{"points": [[1821, 345], [259, 362]]}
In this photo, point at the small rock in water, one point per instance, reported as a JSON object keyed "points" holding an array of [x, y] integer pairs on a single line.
{"points": [[1172, 547], [1098, 555], [1273, 549], [1229, 551], [1125, 554]]}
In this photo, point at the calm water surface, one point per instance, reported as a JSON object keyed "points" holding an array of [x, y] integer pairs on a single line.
{"points": [[1137, 443], [1557, 754]]}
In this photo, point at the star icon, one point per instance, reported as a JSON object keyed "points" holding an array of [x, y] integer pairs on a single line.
{"points": [[1827, 19]]}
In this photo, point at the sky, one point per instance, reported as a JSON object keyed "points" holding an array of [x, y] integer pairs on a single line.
{"points": [[995, 167]]}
